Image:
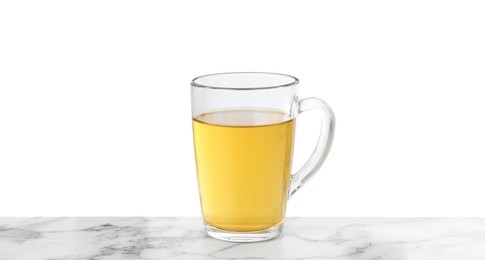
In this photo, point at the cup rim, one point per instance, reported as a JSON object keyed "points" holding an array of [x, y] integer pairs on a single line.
{"points": [[293, 81]]}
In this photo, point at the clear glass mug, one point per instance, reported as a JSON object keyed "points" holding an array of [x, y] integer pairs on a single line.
{"points": [[243, 126]]}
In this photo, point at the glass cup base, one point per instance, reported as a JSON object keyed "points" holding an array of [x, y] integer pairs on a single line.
{"points": [[244, 237]]}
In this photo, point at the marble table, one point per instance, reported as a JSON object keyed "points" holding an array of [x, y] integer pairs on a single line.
{"points": [[183, 238]]}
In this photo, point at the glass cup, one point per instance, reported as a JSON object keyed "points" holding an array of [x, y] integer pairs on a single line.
{"points": [[243, 125]]}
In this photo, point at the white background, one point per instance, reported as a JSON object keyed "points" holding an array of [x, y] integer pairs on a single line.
{"points": [[95, 108]]}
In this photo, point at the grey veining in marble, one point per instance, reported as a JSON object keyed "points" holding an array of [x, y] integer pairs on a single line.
{"points": [[184, 238]]}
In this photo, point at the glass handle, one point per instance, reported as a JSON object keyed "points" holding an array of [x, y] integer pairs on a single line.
{"points": [[327, 128]]}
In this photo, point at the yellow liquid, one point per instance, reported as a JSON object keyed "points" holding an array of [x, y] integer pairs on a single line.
{"points": [[243, 167]]}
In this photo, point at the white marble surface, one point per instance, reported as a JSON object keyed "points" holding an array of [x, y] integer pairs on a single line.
{"points": [[184, 238]]}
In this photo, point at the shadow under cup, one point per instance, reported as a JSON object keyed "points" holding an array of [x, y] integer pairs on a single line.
{"points": [[243, 127]]}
